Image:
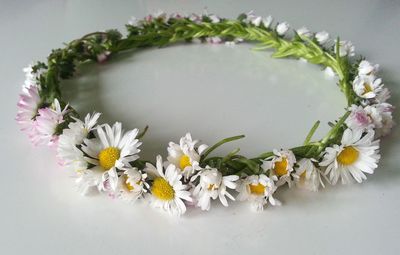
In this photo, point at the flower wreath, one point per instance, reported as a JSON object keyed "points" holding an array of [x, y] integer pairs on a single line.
{"points": [[105, 158]]}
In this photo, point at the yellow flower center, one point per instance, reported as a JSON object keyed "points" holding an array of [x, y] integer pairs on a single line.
{"points": [[280, 167], [184, 161], [211, 186], [348, 155], [108, 156], [303, 174], [257, 189], [367, 88], [128, 184], [162, 189]]}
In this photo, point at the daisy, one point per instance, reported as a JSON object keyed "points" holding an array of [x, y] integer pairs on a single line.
{"points": [[386, 118], [258, 189], [267, 21], [253, 19], [46, 124], [213, 185], [132, 185], [367, 86], [346, 48], [167, 190], [281, 165], [186, 155], [308, 176], [322, 37], [362, 118], [28, 105], [214, 18], [282, 28], [110, 150], [366, 68], [329, 73], [31, 77], [356, 155], [89, 181], [303, 31], [73, 136]]}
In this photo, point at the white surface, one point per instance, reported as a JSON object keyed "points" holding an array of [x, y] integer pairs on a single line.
{"points": [[213, 91]]}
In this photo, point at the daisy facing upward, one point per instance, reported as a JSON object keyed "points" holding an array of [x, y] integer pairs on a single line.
{"points": [[167, 190], [356, 155], [110, 150]]}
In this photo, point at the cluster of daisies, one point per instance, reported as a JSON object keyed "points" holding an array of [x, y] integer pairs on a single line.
{"points": [[105, 158]]}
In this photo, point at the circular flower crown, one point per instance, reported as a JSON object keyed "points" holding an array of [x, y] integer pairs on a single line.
{"points": [[106, 159]]}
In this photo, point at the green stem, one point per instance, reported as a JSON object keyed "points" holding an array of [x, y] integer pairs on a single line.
{"points": [[215, 146], [311, 133]]}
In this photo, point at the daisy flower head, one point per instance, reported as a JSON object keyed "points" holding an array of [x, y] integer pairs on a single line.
{"points": [[303, 31], [186, 155], [308, 176], [386, 118], [282, 28], [112, 149], [367, 86], [356, 155], [213, 185], [322, 37], [31, 76], [361, 118], [46, 124], [132, 185], [253, 19], [28, 105], [73, 136], [258, 189], [367, 68], [383, 96], [346, 48], [167, 190], [281, 165]]}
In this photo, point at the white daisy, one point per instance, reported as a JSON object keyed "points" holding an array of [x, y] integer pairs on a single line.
{"points": [[303, 31], [329, 73], [167, 190], [281, 165], [322, 37], [282, 28], [383, 95], [89, 181], [110, 150], [267, 21], [253, 19], [346, 48], [214, 18], [132, 185], [213, 185], [362, 118], [367, 86], [308, 176], [46, 124], [386, 119], [186, 155], [31, 78], [367, 68], [357, 154], [73, 136], [28, 105], [258, 189]]}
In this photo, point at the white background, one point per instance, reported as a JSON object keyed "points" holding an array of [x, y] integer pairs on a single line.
{"points": [[213, 91]]}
